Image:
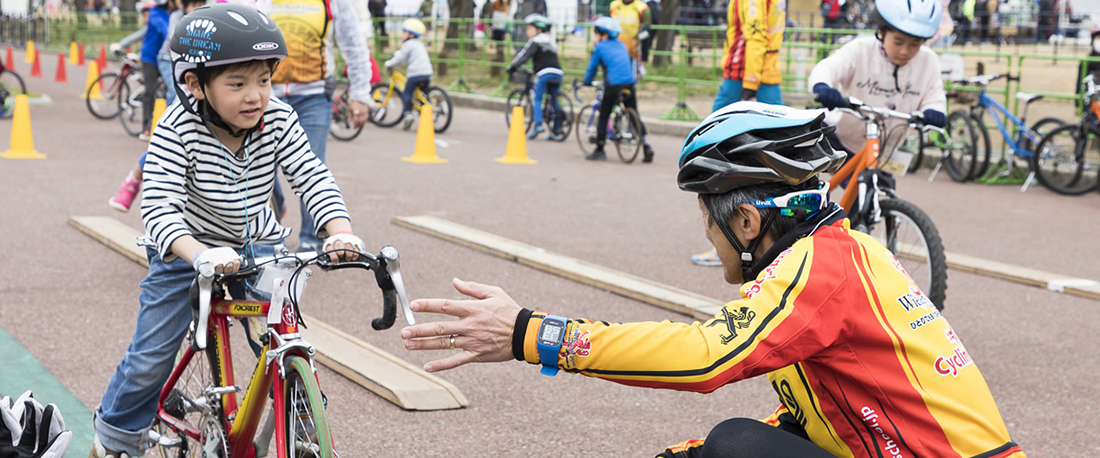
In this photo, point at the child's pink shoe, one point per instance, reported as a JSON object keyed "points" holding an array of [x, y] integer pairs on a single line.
{"points": [[125, 195]]}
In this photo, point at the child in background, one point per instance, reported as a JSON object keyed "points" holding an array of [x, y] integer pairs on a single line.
{"points": [[419, 72], [618, 70], [543, 53]]}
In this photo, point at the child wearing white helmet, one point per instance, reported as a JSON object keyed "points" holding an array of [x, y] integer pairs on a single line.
{"points": [[419, 65], [891, 69]]}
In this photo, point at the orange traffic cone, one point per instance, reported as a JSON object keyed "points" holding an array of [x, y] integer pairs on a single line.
{"points": [[9, 61], [30, 52], [516, 152], [36, 67], [80, 55], [91, 90], [61, 77], [102, 59], [22, 141], [425, 140]]}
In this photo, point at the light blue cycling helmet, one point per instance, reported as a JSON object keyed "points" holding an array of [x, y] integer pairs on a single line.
{"points": [[539, 21], [609, 26], [751, 143], [919, 18]]}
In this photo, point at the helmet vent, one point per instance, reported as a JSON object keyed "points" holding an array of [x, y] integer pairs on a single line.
{"points": [[237, 17], [265, 19]]}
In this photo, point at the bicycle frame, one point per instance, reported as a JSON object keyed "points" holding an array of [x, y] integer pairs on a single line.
{"points": [[397, 85], [996, 111], [865, 158]]}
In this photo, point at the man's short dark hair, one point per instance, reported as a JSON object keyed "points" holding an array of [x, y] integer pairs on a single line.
{"points": [[722, 207]]}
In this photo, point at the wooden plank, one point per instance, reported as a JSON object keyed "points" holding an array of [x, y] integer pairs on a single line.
{"points": [[688, 303], [395, 380], [634, 287]]}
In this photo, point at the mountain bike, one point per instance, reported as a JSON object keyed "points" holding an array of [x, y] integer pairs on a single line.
{"points": [[874, 207], [562, 117], [11, 85], [198, 412], [390, 111], [131, 103], [624, 127], [101, 97], [343, 123], [1069, 156]]}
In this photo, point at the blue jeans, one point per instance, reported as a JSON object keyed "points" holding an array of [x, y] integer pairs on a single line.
{"points": [[410, 85], [731, 92], [315, 115], [165, 67], [549, 83]]}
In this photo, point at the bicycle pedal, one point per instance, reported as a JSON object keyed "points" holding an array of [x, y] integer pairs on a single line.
{"points": [[221, 390]]}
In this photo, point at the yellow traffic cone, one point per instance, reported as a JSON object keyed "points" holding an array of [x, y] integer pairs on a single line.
{"points": [[425, 140], [516, 153], [22, 141], [91, 91], [158, 110], [72, 53], [29, 58]]}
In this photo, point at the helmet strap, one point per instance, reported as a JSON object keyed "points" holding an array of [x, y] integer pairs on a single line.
{"points": [[746, 253]]}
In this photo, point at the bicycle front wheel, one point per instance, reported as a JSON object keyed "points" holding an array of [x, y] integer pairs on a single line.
{"points": [[518, 98], [628, 134], [307, 433], [585, 129], [1068, 159], [959, 156], [105, 105], [130, 107], [390, 107], [188, 403], [343, 123], [559, 122], [909, 233], [441, 108], [11, 85]]}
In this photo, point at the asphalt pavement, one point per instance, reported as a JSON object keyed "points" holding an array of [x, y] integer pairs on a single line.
{"points": [[71, 301]]}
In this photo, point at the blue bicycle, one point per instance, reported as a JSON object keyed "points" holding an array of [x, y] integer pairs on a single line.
{"points": [[976, 166], [624, 127]]}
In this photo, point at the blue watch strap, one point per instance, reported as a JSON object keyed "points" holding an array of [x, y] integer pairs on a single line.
{"points": [[548, 341]]}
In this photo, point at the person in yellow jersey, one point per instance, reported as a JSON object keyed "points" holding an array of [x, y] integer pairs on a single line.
{"points": [[635, 18], [306, 77], [863, 363]]}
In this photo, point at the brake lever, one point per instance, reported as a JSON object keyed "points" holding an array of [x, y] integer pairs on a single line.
{"points": [[393, 267], [206, 287]]}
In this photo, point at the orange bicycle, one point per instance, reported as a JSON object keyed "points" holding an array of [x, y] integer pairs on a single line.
{"points": [[198, 413], [874, 207]]}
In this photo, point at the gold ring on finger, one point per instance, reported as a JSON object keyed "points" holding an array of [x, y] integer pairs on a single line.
{"points": [[452, 342]]}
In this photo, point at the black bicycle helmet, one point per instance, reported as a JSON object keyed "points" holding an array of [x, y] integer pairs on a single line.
{"points": [[221, 34], [749, 144]]}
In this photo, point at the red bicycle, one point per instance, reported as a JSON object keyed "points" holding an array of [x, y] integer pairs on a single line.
{"points": [[199, 414], [101, 96]]}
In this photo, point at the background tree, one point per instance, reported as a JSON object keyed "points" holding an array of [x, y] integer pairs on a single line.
{"points": [[670, 12]]}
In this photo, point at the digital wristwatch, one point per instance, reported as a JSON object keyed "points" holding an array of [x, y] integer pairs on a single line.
{"points": [[551, 333]]}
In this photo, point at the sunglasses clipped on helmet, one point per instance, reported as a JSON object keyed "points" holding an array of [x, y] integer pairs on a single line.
{"points": [[801, 204]]}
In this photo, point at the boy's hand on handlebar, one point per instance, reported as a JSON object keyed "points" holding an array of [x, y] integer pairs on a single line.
{"points": [[829, 97], [346, 241], [224, 259], [934, 118], [483, 332]]}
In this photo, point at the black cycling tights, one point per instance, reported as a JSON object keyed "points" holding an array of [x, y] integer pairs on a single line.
{"points": [[744, 437]]}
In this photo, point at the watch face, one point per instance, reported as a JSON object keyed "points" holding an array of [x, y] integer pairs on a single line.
{"points": [[551, 332]]}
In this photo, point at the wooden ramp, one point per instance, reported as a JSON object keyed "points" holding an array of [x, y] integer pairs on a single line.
{"points": [[403, 384], [691, 304]]}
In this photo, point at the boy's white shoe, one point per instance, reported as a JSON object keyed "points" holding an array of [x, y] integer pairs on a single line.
{"points": [[408, 122], [99, 452]]}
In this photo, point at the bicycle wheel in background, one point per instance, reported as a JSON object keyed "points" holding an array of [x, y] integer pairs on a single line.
{"points": [[442, 110], [307, 432], [180, 403], [1068, 159], [983, 149], [915, 142], [1041, 128], [106, 105], [563, 118], [960, 157], [909, 233], [343, 123], [628, 134], [585, 129], [390, 107], [11, 85], [129, 108], [518, 98]]}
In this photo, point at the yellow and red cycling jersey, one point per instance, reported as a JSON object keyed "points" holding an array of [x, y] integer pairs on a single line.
{"points": [[305, 25], [753, 39], [861, 360], [630, 17]]}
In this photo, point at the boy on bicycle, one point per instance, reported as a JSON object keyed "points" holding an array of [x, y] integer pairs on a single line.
{"points": [[208, 178], [611, 55], [543, 53], [419, 72], [891, 69]]}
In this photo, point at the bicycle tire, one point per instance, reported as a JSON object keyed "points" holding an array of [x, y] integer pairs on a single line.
{"points": [[130, 110], [343, 124], [960, 158], [983, 149], [918, 154], [106, 107], [1066, 170], [390, 106], [585, 128], [564, 117], [202, 372], [11, 85], [306, 418], [518, 98], [929, 266], [442, 110], [1041, 128], [628, 135]]}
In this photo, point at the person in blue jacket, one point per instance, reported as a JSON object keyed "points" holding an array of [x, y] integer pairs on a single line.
{"points": [[611, 55], [156, 31]]}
